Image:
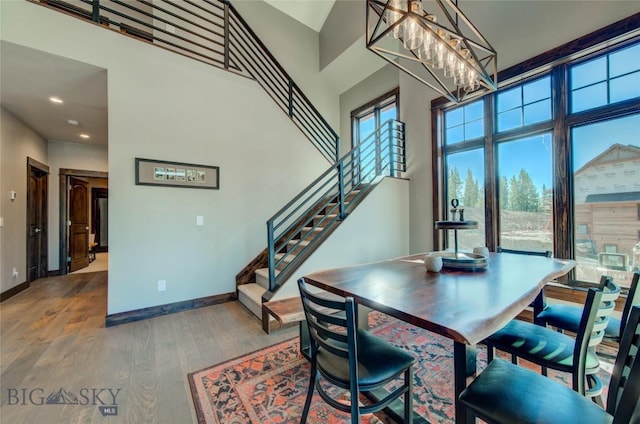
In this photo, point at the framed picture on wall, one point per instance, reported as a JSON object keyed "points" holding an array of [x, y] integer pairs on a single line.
{"points": [[176, 174]]}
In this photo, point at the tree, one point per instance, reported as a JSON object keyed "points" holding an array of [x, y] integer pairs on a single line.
{"points": [[546, 199], [504, 193], [513, 190], [454, 184], [524, 196], [471, 191]]}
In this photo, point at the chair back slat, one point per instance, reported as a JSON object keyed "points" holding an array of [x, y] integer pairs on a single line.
{"points": [[331, 323], [546, 253], [605, 307], [624, 388], [633, 299]]}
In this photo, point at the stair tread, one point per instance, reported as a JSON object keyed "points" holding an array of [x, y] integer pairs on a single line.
{"points": [[264, 272], [253, 291]]}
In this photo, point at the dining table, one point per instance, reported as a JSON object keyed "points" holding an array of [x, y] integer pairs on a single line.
{"points": [[465, 306]]}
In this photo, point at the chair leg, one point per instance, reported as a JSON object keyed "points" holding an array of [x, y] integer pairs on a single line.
{"points": [[514, 359], [408, 397], [490, 353], [312, 385], [543, 371]]}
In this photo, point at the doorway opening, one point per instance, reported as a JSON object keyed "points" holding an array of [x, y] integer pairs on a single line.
{"points": [[83, 218]]}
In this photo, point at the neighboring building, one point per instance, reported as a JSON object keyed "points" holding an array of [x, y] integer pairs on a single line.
{"points": [[607, 207]]}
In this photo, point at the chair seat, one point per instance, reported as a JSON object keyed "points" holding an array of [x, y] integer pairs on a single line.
{"points": [[495, 401], [544, 346], [568, 317], [371, 370]]}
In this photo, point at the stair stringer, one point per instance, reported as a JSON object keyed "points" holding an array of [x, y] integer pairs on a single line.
{"points": [[377, 229]]}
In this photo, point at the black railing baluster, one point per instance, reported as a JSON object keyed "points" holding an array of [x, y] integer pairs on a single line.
{"points": [[341, 196], [392, 171], [226, 35], [95, 10], [290, 98]]}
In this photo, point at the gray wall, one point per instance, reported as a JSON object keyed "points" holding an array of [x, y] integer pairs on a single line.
{"points": [[163, 106], [17, 142]]}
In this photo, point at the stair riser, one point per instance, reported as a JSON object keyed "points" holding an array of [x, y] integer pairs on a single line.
{"points": [[255, 308]]}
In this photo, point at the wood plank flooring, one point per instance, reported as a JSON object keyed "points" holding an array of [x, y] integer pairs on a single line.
{"points": [[53, 336]]}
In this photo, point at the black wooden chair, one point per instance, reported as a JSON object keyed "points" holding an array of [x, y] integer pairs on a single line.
{"points": [[558, 351], [352, 358], [567, 317], [540, 302], [504, 393]]}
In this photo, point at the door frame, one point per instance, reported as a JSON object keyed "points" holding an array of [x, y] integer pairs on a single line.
{"points": [[34, 164], [64, 200]]}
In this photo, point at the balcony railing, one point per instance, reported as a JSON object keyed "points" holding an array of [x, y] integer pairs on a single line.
{"points": [[213, 32]]}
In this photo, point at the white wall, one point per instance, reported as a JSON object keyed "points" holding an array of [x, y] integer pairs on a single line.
{"points": [[377, 230], [68, 156], [164, 106], [17, 142]]}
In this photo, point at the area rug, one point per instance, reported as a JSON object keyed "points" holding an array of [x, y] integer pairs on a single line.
{"points": [[269, 386]]}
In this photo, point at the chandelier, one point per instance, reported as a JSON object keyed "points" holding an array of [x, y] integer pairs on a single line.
{"points": [[441, 47]]}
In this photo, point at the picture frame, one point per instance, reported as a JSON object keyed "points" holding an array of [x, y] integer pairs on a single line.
{"points": [[176, 174]]}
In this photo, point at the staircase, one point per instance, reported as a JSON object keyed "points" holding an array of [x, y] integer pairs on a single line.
{"points": [[301, 226]]}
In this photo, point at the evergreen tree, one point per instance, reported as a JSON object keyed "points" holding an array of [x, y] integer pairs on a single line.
{"points": [[454, 184], [470, 197], [504, 193], [526, 195], [513, 194]]}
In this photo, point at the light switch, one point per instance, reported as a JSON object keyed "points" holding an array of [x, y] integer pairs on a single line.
{"points": [[13, 195], [199, 220], [1, 222]]}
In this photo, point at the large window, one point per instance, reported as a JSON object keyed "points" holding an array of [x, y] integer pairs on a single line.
{"points": [[364, 122], [524, 193], [606, 195], [541, 170]]}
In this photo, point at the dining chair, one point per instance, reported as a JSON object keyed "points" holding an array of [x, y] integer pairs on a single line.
{"points": [[504, 393], [551, 349], [567, 317], [352, 358]]}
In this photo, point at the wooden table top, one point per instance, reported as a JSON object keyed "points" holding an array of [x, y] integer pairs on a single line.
{"points": [[461, 305]]}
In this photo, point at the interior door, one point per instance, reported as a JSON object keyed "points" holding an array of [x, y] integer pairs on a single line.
{"points": [[78, 224], [37, 243]]}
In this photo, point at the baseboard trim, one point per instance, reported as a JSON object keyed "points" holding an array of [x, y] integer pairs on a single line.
{"points": [[54, 273], [13, 291], [170, 308]]}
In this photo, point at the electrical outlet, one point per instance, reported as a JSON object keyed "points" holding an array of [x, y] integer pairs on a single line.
{"points": [[162, 285], [14, 274]]}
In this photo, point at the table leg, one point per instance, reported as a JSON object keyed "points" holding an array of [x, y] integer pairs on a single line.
{"points": [[464, 358]]}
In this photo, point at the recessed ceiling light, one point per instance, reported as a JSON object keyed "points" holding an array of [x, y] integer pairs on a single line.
{"points": [[55, 99], [73, 122], [84, 135]]}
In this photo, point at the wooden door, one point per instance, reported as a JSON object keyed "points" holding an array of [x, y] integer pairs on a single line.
{"points": [[78, 224], [37, 205]]}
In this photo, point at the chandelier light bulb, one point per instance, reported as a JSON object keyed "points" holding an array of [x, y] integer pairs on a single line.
{"points": [[413, 32], [396, 16]]}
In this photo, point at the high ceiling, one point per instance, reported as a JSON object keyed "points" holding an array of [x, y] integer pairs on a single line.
{"points": [[517, 29], [312, 13]]}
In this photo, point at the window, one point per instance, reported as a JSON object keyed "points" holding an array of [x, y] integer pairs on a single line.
{"points": [[524, 193], [364, 122], [465, 182], [605, 80], [563, 171], [606, 181], [464, 123], [525, 104]]}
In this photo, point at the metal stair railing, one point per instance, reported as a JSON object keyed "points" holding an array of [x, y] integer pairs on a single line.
{"points": [[317, 209], [213, 32]]}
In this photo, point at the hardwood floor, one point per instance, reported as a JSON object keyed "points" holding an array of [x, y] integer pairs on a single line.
{"points": [[53, 336]]}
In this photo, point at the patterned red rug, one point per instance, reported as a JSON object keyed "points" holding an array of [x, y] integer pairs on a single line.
{"points": [[269, 386]]}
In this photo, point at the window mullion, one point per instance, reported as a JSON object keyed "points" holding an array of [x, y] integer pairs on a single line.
{"points": [[562, 174], [490, 175]]}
